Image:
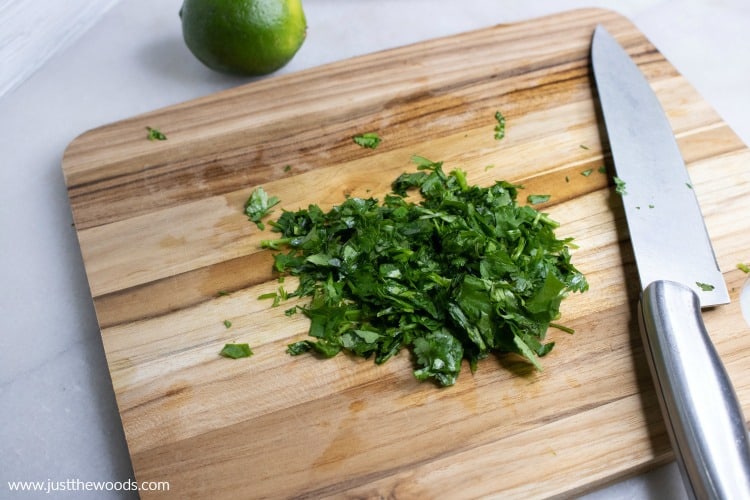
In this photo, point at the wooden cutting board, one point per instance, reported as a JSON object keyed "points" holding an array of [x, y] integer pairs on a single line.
{"points": [[162, 232]]}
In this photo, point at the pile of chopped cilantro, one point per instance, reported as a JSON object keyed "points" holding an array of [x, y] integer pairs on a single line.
{"points": [[464, 272]]}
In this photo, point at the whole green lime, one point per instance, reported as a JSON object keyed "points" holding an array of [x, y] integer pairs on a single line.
{"points": [[246, 37]]}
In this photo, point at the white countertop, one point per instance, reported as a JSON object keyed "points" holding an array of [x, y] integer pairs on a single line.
{"points": [[58, 418]]}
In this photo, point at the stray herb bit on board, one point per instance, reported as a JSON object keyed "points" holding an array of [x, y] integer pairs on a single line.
{"points": [[705, 286], [155, 135], [223, 293], [461, 274], [743, 267], [620, 186], [369, 140], [236, 351], [259, 205], [536, 199], [587, 172], [227, 323], [500, 127], [602, 169]]}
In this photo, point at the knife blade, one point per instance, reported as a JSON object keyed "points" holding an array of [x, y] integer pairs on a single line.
{"points": [[679, 275]]}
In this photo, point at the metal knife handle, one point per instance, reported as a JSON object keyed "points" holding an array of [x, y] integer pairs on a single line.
{"points": [[703, 416]]}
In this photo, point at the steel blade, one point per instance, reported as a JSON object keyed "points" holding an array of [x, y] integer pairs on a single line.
{"points": [[667, 231]]}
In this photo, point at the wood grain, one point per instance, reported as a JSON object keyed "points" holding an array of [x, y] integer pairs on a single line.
{"points": [[162, 233]]}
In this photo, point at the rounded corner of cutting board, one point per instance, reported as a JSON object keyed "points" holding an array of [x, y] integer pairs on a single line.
{"points": [[79, 141]]}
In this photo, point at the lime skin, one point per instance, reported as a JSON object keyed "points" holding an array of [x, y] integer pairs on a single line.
{"points": [[245, 37]]}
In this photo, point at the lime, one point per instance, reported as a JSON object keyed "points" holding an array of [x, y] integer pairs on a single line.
{"points": [[247, 37]]}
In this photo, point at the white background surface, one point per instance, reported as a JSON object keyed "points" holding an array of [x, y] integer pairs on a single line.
{"points": [[58, 418]]}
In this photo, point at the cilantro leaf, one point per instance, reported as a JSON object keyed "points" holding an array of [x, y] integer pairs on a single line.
{"points": [[155, 135], [500, 127], [620, 186], [369, 140], [236, 351], [258, 206], [536, 199]]}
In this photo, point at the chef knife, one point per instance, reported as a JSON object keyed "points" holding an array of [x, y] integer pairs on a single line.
{"points": [[679, 275]]}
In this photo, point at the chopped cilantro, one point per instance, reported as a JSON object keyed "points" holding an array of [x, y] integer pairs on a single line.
{"points": [[236, 351], [258, 206], [705, 286], [743, 267], [155, 135], [620, 187], [602, 169], [587, 172], [690, 186], [500, 127], [464, 272], [583, 146], [227, 323], [536, 199], [369, 140]]}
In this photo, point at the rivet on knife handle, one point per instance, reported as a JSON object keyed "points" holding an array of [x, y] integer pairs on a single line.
{"points": [[704, 417]]}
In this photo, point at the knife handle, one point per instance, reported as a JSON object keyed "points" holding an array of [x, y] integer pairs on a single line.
{"points": [[703, 416]]}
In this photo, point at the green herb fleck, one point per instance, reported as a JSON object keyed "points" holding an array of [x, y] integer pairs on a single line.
{"points": [[587, 172], [155, 135], [536, 199], [690, 186], [258, 206], [236, 351], [650, 206], [227, 323], [464, 272], [223, 293], [369, 140], [584, 146], [602, 169], [620, 187], [567, 179], [500, 127], [705, 286], [743, 267], [287, 168]]}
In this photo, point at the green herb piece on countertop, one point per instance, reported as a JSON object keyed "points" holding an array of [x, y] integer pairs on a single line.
{"points": [[227, 323], [369, 140], [500, 127], [587, 172], [743, 267], [155, 135], [259, 205], [705, 286], [462, 273], [236, 351], [620, 186]]}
